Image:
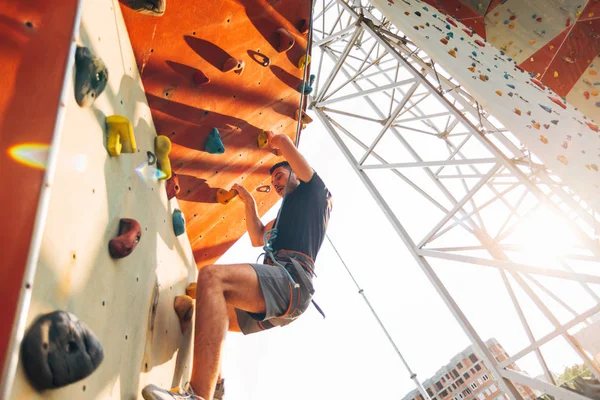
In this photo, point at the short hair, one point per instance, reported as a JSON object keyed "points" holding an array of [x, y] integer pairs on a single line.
{"points": [[280, 164]]}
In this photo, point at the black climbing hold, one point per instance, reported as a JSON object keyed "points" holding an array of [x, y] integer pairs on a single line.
{"points": [[151, 158], [149, 7], [58, 350], [91, 76]]}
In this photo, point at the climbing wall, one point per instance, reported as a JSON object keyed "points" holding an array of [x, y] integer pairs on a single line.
{"points": [[174, 53], [127, 303], [555, 40], [28, 109], [564, 139]]}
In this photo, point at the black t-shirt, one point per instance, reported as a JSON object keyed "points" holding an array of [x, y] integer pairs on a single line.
{"points": [[303, 218]]}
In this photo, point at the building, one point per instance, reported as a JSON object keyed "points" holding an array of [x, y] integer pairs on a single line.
{"points": [[466, 377]]}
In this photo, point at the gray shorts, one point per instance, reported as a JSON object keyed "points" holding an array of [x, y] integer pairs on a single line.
{"points": [[285, 302]]}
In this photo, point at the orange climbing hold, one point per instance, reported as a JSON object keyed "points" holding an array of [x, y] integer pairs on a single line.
{"points": [[444, 40], [543, 139], [471, 68], [517, 111], [172, 186], [563, 159], [452, 52], [593, 127], [286, 40], [593, 72], [536, 125], [498, 92], [184, 307], [200, 78], [305, 118], [226, 196], [538, 83], [235, 65]]}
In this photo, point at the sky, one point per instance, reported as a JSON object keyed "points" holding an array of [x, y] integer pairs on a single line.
{"points": [[347, 355]]}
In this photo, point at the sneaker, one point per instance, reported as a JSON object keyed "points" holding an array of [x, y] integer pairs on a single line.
{"points": [[220, 390], [153, 392]]}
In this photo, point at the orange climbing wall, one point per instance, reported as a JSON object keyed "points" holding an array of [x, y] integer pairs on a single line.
{"points": [[194, 36], [34, 42]]}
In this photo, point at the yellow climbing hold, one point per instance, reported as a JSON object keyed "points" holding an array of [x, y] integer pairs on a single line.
{"points": [[511, 25], [551, 47], [452, 52], [472, 69], [590, 15], [120, 135], [556, 74], [263, 139], [531, 59], [162, 148], [302, 62], [578, 14], [536, 125]]}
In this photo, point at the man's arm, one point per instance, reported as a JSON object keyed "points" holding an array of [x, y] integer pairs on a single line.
{"points": [[256, 229], [299, 165]]}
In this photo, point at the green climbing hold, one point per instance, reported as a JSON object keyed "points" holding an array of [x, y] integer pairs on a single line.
{"points": [[214, 145], [178, 222]]}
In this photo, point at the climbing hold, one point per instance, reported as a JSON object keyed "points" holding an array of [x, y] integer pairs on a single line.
{"points": [[172, 186], [58, 349], [444, 40], [416, 27], [200, 78], [565, 145], [537, 125], [162, 147], [586, 95], [532, 41], [519, 68], [592, 126], [425, 8], [554, 121], [555, 74], [474, 53], [513, 17], [130, 233], [538, 83], [534, 16], [214, 145], [517, 111], [592, 167], [91, 76], [225, 196], [543, 139], [235, 65], [451, 21], [595, 93], [120, 135], [418, 13], [558, 101], [563, 159], [305, 118], [545, 108], [286, 40], [568, 22], [303, 27], [510, 85], [452, 52], [498, 92], [178, 222], [484, 78], [303, 61], [450, 34], [305, 88], [468, 32], [593, 72], [184, 307], [480, 43], [263, 139], [149, 7], [406, 13], [539, 19], [511, 26]]}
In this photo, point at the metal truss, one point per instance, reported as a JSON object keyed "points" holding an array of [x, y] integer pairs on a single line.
{"points": [[405, 125]]}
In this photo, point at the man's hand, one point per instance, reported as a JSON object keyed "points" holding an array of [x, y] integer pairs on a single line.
{"points": [[244, 194], [274, 140]]}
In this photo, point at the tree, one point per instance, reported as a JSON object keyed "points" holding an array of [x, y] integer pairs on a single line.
{"points": [[573, 372]]}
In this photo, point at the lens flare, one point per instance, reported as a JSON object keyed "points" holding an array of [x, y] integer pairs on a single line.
{"points": [[34, 155], [149, 174]]}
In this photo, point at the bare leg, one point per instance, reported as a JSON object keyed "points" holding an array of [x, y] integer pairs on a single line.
{"points": [[219, 286]]}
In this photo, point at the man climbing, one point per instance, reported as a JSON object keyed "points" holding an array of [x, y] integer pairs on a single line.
{"points": [[250, 298]]}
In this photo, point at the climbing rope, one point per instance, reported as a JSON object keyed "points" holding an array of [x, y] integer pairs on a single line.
{"points": [[271, 235]]}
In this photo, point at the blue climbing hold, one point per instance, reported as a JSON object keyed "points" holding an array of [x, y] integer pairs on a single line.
{"points": [[501, 52], [448, 26], [506, 75], [509, 59], [462, 38], [474, 53], [178, 222], [450, 34], [306, 88], [546, 108], [425, 8], [434, 15], [214, 145], [506, 21], [534, 16], [510, 85]]}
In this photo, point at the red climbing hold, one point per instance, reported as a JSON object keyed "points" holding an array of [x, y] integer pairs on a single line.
{"points": [[592, 126], [286, 40], [451, 22], [519, 68], [539, 19], [130, 234], [480, 43], [468, 32], [173, 187], [538, 83], [558, 101], [235, 65], [586, 95], [200, 78]]}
